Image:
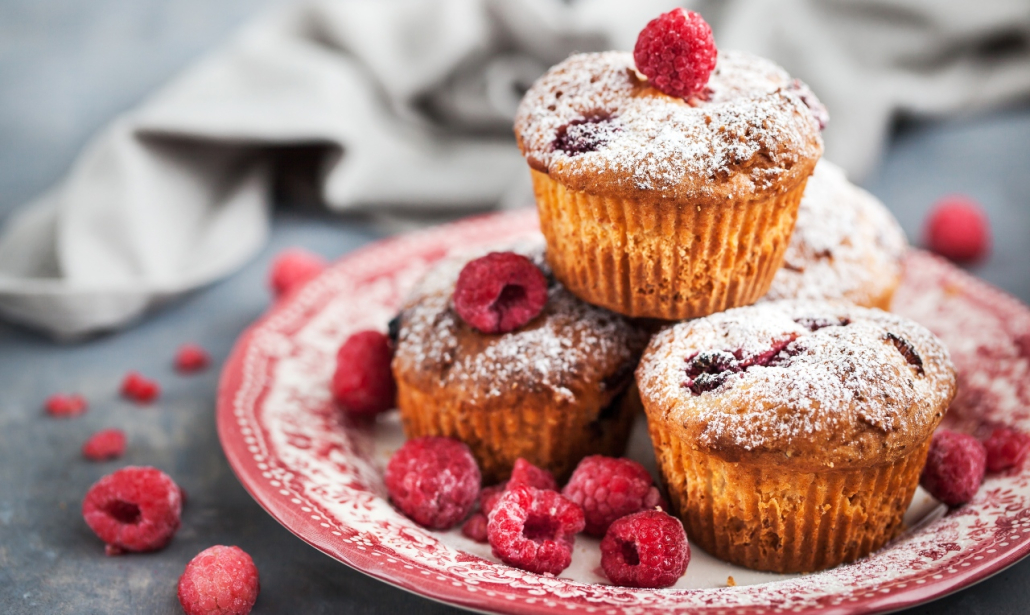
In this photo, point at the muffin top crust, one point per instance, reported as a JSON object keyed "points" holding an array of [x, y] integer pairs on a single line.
{"points": [[811, 385], [594, 124], [845, 246], [572, 351]]}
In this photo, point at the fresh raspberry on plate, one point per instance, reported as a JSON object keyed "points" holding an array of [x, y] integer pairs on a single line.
{"points": [[133, 509], [104, 445], [191, 358], [488, 496], [954, 467], [525, 473], [363, 383], [139, 389], [676, 52], [608, 488], [645, 549], [65, 406], [434, 481], [500, 292], [534, 529], [220, 580], [474, 527], [957, 229], [291, 268], [1006, 448]]}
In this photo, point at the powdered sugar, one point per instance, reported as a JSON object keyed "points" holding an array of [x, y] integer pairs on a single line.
{"points": [[752, 118], [829, 390], [846, 245]]}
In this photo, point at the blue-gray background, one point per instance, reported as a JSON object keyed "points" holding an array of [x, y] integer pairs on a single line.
{"points": [[66, 68]]}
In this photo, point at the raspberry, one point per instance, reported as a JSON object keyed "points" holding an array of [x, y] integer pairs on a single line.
{"points": [[434, 481], [608, 488], [645, 549], [191, 358], [65, 406], [291, 268], [1006, 448], [475, 527], [219, 581], [500, 292], [133, 509], [104, 444], [363, 383], [525, 473], [139, 389], [957, 229], [954, 467], [534, 529], [676, 52], [488, 497]]}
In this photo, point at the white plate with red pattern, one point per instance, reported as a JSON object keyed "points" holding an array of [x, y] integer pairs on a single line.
{"points": [[322, 478]]}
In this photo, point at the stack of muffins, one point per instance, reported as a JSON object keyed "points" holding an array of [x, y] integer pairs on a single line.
{"points": [[790, 434]]}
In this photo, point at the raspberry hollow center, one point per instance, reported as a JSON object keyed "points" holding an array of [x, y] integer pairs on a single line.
{"points": [[539, 528], [629, 554], [124, 512]]}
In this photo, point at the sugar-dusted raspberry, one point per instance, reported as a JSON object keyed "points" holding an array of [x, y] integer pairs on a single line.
{"points": [[608, 488], [434, 481], [954, 467], [363, 383], [1006, 448], [292, 268], [525, 473], [220, 580], [488, 497], [65, 406], [191, 358], [133, 509], [676, 52], [957, 229], [534, 529], [104, 444], [139, 389], [475, 527], [500, 292], [645, 549]]}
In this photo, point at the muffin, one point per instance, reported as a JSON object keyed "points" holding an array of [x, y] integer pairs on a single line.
{"points": [[553, 391], [791, 434], [846, 245], [659, 207]]}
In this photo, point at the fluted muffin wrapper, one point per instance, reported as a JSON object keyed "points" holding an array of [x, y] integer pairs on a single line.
{"points": [[663, 259], [779, 520], [554, 436]]}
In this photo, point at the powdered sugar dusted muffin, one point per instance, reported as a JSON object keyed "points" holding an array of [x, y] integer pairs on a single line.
{"points": [[791, 434], [846, 245], [664, 207], [552, 391]]}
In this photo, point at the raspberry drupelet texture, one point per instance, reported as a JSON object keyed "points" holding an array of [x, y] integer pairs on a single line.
{"points": [[1006, 448], [474, 527], [525, 473], [500, 292], [957, 229], [363, 383], [954, 468], [220, 580], [191, 358], [645, 549], [133, 509], [434, 481], [607, 488], [65, 406], [140, 389], [104, 445], [676, 52], [292, 268], [534, 529]]}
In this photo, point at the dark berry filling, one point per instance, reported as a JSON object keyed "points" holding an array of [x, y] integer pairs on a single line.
{"points": [[814, 323], [393, 328], [584, 135], [709, 370], [907, 350]]}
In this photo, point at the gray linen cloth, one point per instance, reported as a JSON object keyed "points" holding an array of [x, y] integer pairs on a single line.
{"points": [[414, 100]]}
